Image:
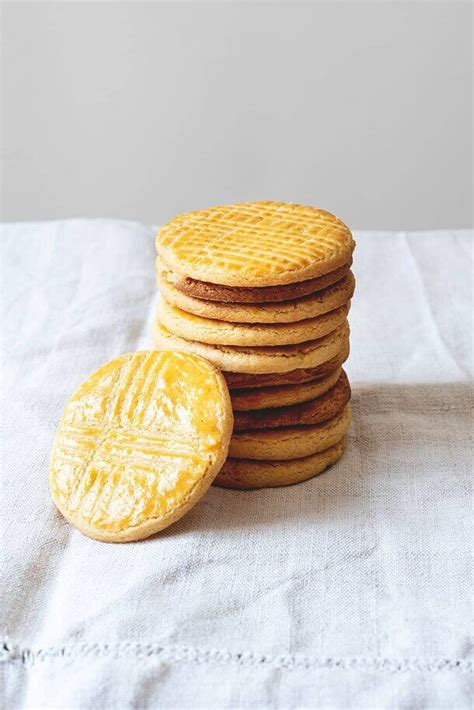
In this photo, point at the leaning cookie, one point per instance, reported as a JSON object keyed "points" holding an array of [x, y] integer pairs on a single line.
{"points": [[139, 443]]}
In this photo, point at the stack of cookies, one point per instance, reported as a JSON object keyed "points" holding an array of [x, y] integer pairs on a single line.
{"points": [[262, 290]]}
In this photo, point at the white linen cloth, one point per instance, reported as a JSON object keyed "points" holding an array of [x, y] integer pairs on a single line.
{"points": [[352, 590]]}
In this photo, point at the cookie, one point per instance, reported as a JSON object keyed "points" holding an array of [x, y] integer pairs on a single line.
{"points": [[245, 400], [298, 309], [258, 360], [327, 406], [290, 442], [239, 380], [139, 443], [206, 291], [249, 473], [217, 332], [255, 244]]}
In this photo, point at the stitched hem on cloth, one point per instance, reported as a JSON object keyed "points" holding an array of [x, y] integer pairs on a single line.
{"points": [[10, 652]]}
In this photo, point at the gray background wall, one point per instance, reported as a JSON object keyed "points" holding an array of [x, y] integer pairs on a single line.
{"points": [[143, 110]]}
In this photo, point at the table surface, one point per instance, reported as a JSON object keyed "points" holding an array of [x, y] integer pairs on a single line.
{"points": [[348, 591]]}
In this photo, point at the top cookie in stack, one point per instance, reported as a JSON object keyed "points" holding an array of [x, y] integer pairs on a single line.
{"points": [[262, 289]]}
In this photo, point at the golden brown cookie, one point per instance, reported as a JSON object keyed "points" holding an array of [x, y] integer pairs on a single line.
{"points": [[203, 290], [217, 332], [251, 398], [255, 244], [239, 380], [267, 359], [139, 443], [290, 442], [299, 309], [249, 473], [317, 410]]}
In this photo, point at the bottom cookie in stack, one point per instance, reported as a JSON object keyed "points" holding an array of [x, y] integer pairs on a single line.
{"points": [[251, 473], [279, 445]]}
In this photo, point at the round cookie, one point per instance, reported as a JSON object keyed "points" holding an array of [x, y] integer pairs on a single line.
{"points": [[203, 290], [139, 443], [315, 411], [239, 380], [290, 442], [217, 332], [255, 244], [248, 473], [258, 360], [298, 309], [281, 396]]}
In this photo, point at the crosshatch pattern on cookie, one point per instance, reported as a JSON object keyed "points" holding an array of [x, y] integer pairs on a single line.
{"points": [[255, 243]]}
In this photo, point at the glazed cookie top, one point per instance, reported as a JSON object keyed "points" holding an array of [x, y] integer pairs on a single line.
{"points": [[139, 443], [255, 244]]}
